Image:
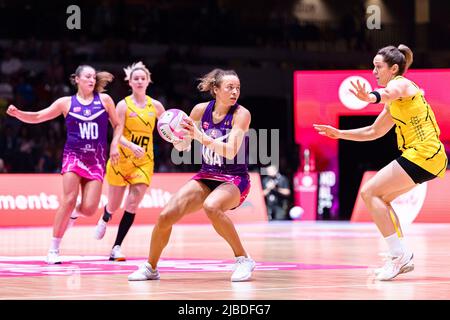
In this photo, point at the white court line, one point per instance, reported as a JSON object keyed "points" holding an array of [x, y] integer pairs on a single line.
{"points": [[214, 291]]}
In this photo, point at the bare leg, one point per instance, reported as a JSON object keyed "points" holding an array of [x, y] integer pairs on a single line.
{"points": [[395, 221], [389, 180], [187, 200], [115, 196], [223, 198], [388, 199], [385, 186], [91, 191], [71, 185], [135, 195]]}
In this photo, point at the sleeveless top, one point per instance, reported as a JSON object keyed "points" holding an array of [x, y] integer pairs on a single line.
{"points": [[418, 132], [138, 128], [87, 128], [213, 162]]}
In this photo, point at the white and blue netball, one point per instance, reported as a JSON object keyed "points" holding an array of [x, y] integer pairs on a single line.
{"points": [[169, 125]]}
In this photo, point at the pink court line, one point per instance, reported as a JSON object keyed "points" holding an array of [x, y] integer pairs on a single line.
{"points": [[18, 268]]}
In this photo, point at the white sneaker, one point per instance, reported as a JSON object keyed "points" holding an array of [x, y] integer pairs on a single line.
{"points": [[116, 255], [405, 269], [243, 269], [395, 266], [145, 272], [53, 257], [100, 229]]}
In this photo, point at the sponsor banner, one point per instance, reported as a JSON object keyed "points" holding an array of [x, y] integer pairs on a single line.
{"points": [[427, 202], [32, 200]]}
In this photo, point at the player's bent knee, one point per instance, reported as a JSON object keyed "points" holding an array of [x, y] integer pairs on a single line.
{"points": [[211, 209], [70, 201], [164, 221], [167, 218], [133, 203], [89, 210], [112, 207], [387, 199], [366, 194]]}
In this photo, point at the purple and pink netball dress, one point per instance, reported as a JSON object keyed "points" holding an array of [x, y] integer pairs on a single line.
{"points": [[86, 144], [216, 169]]}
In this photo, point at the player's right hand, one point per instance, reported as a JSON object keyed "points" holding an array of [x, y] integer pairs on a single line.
{"points": [[183, 145]]}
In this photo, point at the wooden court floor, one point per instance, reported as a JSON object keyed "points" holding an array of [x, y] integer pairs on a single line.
{"points": [[295, 261]]}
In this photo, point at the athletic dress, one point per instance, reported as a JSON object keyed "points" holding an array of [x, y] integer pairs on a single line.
{"points": [[138, 128], [423, 154], [216, 169], [86, 144]]}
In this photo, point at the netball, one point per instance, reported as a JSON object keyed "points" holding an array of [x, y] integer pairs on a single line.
{"points": [[169, 125]]}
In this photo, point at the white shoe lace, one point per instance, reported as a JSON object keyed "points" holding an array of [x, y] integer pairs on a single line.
{"points": [[143, 268], [389, 263], [239, 262], [52, 255], [116, 251]]}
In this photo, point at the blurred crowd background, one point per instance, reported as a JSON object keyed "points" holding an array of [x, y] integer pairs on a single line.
{"points": [[179, 41]]}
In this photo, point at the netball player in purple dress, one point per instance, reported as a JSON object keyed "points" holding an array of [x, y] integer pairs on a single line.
{"points": [[223, 182], [86, 114]]}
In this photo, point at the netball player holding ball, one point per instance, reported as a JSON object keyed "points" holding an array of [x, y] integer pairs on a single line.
{"points": [[222, 183]]}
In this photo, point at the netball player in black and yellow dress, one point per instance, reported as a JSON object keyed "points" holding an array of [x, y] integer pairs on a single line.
{"points": [[138, 113], [423, 155]]}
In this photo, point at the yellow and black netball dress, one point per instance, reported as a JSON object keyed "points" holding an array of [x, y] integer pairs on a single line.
{"points": [[138, 128], [418, 133]]}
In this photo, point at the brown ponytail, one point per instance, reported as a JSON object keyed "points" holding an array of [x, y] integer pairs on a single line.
{"points": [[407, 52], [401, 56], [102, 78], [213, 80]]}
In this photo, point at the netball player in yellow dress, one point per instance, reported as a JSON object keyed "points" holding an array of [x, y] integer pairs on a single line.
{"points": [[423, 155], [138, 112]]}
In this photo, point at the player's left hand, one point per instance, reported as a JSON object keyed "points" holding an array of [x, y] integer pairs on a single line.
{"points": [[360, 91]]}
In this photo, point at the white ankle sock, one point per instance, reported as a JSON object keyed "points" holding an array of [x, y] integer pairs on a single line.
{"points": [[54, 244], [395, 244]]}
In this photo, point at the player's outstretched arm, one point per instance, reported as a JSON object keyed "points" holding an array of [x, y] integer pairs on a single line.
{"points": [[382, 124], [60, 106]]}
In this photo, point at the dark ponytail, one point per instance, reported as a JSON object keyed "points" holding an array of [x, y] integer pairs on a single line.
{"points": [[401, 56], [213, 80]]}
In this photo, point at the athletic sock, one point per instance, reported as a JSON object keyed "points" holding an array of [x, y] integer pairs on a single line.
{"points": [[106, 215], [125, 225], [54, 244], [396, 246]]}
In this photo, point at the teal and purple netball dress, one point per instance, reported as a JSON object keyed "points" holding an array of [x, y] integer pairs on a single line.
{"points": [[216, 169], [86, 144]]}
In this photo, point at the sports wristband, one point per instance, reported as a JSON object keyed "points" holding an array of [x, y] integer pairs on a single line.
{"points": [[377, 95]]}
